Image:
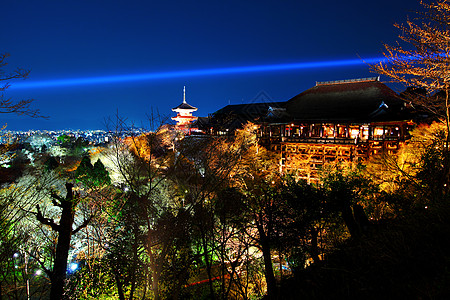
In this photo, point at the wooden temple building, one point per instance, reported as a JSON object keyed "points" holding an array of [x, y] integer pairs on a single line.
{"points": [[332, 121]]}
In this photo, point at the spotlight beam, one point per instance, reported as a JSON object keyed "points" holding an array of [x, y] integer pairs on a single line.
{"points": [[190, 73]]}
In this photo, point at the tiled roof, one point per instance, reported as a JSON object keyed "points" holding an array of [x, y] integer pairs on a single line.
{"points": [[359, 100], [250, 110], [234, 116], [184, 105]]}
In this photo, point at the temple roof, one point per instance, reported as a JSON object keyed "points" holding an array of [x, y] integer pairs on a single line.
{"points": [[349, 100], [184, 105], [234, 116], [250, 110]]}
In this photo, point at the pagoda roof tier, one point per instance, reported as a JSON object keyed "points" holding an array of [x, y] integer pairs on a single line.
{"points": [[178, 117], [184, 106]]}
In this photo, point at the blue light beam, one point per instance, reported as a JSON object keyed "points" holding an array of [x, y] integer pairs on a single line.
{"points": [[190, 73]]}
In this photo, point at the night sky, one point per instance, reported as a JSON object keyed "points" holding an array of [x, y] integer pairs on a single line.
{"points": [[89, 39]]}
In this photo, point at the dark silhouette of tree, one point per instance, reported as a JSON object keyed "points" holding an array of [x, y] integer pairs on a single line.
{"points": [[8, 105], [65, 232]]}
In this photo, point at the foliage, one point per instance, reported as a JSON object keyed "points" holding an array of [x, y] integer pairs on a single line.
{"points": [[346, 191], [92, 175], [50, 164], [17, 264], [416, 175], [214, 217], [303, 214], [423, 61], [65, 140]]}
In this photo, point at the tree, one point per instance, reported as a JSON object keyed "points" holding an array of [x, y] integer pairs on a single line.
{"points": [[50, 164], [258, 178], [92, 175], [11, 238], [303, 209], [411, 179], [8, 105], [423, 63], [142, 161], [201, 170], [345, 189], [65, 231]]}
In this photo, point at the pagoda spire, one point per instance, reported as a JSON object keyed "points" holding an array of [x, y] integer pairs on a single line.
{"points": [[184, 94]]}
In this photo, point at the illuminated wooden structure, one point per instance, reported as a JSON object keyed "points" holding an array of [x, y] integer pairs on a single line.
{"points": [[338, 121], [343, 120], [184, 117]]}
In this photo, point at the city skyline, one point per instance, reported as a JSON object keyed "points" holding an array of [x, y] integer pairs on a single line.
{"points": [[84, 40]]}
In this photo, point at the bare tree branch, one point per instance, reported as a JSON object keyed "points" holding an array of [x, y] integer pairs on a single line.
{"points": [[7, 105], [83, 225], [46, 221]]}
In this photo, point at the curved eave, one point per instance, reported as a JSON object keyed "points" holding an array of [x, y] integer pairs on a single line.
{"points": [[184, 107], [184, 118], [178, 110]]}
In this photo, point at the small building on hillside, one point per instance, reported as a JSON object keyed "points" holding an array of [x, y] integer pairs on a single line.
{"points": [[184, 117]]}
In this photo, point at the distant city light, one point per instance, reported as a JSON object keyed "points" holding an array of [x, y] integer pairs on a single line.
{"points": [[192, 73]]}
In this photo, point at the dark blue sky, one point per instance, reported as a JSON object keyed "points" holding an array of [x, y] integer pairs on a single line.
{"points": [[85, 39]]}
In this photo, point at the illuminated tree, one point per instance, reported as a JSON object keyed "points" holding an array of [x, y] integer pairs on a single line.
{"points": [[412, 177], [92, 175], [424, 61], [257, 177], [303, 213], [201, 169], [142, 161], [32, 240], [54, 213], [205, 174], [10, 238], [345, 189]]}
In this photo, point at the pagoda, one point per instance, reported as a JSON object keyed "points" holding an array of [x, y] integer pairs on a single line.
{"points": [[184, 114]]}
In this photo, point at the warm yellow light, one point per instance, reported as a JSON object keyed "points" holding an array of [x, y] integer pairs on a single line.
{"points": [[378, 131], [354, 133]]}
